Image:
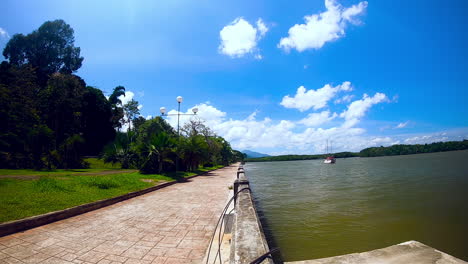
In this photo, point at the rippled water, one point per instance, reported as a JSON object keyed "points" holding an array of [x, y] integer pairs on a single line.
{"points": [[314, 210]]}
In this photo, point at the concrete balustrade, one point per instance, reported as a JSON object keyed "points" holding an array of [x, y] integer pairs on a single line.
{"points": [[248, 239]]}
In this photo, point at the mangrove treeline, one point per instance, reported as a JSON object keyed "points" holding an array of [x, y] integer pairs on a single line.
{"points": [[377, 151], [50, 118]]}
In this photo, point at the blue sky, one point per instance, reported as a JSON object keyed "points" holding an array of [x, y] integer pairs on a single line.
{"points": [[278, 76]]}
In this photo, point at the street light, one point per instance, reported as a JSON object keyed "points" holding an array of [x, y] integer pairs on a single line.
{"points": [[163, 114]]}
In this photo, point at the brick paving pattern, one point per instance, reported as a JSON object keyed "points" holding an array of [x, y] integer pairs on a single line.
{"points": [[170, 225]]}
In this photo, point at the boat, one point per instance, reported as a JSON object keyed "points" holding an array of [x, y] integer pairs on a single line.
{"points": [[330, 159]]}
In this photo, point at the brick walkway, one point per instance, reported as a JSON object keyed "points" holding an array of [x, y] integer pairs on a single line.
{"points": [[170, 225]]}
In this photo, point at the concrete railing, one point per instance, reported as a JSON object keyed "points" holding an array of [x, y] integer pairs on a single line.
{"points": [[248, 240]]}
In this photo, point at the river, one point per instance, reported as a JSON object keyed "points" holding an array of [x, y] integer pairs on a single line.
{"points": [[314, 210]]}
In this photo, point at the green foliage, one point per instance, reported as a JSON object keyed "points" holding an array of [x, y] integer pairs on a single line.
{"points": [[116, 105], [96, 121], [48, 50], [121, 151], [131, 111], [51, 118], [414, 149], [157, 152]]}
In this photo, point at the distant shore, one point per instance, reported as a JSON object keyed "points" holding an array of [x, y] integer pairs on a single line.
{"points": [[393, 150]]}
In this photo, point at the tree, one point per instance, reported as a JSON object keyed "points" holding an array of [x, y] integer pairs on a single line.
{"points": [[97, 123], [121, 151], [19, 116], [226, 152], [114, 97], [131, 111], [154, 126], [116, 103], [194, 151], [157, 152], [49, 49], [137, 122], [61, 105]]}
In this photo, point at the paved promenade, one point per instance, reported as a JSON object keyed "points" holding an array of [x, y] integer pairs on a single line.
{"points": [[170, 225]]}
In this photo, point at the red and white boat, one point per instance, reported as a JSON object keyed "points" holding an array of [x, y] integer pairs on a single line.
{"points": [[330, 159]]}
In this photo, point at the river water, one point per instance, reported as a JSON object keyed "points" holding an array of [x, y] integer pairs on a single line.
{"points": [[315, 210]]}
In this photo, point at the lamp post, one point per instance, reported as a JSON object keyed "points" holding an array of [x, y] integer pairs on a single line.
{"points": [[163, 114]]}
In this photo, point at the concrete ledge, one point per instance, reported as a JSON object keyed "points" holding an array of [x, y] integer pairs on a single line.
{"points": [[408, 252], [248, 239], [39, 220]]}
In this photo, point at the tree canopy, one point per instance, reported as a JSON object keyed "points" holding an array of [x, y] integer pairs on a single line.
{"points": [[50, 118], [49, 49]]}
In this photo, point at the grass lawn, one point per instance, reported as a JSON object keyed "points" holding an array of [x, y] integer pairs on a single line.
{"points": [[60, 189], [95, 165]]}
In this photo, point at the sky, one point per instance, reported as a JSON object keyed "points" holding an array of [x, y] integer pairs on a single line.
{"points": [[277, 77]]}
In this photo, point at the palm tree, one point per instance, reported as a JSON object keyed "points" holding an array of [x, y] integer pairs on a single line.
{"points": [[121, 151], [116, 103], [114, 97], [194, 150], [157, 151]]}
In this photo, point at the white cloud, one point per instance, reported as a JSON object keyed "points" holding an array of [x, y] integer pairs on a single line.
{"points": [[240, 38], [358, 108], [402, 125], [345, 99], [286, 137], [206, 112], [127, 97], [423, 139], [262, 28], [4, 33], [316, 99], [322, 28], [316, 119]]}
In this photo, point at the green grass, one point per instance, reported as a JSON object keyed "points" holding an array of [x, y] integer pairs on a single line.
{"points": [[22, 198], [95, 163]]}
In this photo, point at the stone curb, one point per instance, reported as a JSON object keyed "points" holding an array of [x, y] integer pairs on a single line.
{"points": [[12, 227]]}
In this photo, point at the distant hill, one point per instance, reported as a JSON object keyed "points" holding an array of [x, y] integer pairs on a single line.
{"points": [[375, 151], [253, 154]]}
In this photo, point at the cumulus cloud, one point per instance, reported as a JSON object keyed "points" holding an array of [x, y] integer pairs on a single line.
{"points": [[208, 113], [345, 99], [127, 97], [358, 108], [286, 137], [402, 125], [322, 28], [316, 119], [423, 139], [4, 33], [316, 99], [240, 38]]}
